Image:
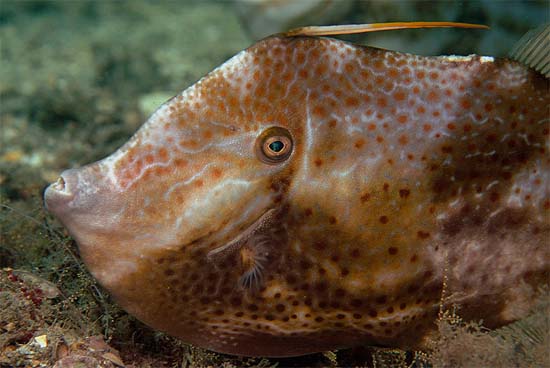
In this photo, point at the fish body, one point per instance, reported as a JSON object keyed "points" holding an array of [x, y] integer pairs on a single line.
{"points": [[311, 194]]}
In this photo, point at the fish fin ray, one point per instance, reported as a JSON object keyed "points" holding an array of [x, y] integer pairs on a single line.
{"points": [[533, 49], [252, 279], [253, 249], [258, 248], [374, 27]]}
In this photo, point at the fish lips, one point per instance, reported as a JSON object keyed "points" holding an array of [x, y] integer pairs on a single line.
{"points": [[59, 195], [82, 198]]}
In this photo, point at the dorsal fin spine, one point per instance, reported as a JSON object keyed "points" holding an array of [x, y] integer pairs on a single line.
{"points": [[373, 27]]}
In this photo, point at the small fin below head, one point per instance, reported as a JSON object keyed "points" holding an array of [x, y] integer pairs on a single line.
{"points": [[373, 27], [533, 50]]}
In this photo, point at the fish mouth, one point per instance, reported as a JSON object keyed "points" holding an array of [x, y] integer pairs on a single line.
{"points": [[81, 198], [60, 193]]}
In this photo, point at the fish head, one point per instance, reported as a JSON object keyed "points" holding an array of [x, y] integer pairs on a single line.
{"points": [[208, 167], [199, 170]]}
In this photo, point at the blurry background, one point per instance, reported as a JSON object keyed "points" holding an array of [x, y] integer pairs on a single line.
{"points": [[77, 78]]}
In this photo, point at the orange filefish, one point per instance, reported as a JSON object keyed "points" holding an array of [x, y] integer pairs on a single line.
{"points": [[311, 194]]}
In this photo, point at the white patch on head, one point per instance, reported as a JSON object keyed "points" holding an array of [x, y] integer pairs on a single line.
{"points": [[203, 206], [458, 58]]}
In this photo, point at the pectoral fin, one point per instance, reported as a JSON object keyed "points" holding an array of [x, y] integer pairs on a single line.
{"points": [[253, 249]]}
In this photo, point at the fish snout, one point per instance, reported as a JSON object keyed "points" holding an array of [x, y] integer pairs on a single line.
{"points": [[61, 192], [78, 192]]}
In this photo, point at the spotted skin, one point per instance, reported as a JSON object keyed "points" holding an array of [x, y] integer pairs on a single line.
{"points": [[405, 171]]}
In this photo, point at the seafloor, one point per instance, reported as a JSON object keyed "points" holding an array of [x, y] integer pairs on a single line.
{"points": [[78, 78]]}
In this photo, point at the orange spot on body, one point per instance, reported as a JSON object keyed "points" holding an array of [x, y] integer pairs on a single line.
{"points": [[217, 173], [465, 103], [404, 193], [447, 149], [320, 69], [433, 96], [352, 102], [319, 110], [163, 154], [399, 96], [423, 234], [256, 76]]}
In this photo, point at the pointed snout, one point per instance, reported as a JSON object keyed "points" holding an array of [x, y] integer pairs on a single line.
{"points": [[78, 191], [60, 193]]}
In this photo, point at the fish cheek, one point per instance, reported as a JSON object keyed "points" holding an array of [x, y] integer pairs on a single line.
{"points": [[192, 291]]}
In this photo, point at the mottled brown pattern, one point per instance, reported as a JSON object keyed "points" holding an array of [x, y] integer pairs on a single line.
{"points": [[405, 171]]}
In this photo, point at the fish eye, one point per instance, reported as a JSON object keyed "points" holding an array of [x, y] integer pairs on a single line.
{"points": [[274, 145]]}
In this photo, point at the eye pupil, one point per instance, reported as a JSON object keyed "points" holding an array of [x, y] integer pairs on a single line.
{"points": [[276, 146]]}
